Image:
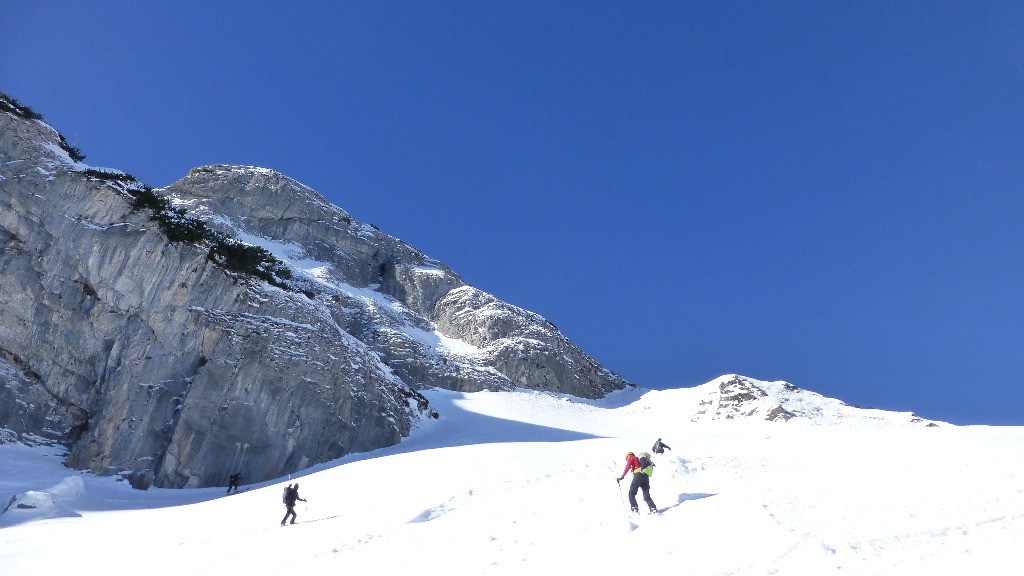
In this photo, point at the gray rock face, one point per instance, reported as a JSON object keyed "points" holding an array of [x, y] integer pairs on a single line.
{"points": [[522, 346], [148, 360], [33, 414]]}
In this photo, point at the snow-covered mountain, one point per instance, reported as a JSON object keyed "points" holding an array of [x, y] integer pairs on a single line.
{"points": [[735, 396], [235, 321], [523, 482]]}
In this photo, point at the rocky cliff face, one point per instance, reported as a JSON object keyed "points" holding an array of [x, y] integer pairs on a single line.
{"points": [[149, 360]]}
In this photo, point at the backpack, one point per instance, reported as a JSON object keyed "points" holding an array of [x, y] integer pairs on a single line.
{"points": [[284, 495], [646, 464]]}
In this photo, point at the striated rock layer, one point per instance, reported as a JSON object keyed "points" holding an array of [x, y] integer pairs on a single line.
{"points": [[148, 360]]}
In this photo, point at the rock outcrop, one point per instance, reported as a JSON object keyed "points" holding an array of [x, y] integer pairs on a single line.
{"points": [[148, 359], [735, 397]]}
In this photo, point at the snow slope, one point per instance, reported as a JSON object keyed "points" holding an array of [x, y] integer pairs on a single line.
{"points": [[524, 483]]}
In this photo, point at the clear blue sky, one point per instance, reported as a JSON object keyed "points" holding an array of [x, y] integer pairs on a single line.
{"points": [[828, 193]]}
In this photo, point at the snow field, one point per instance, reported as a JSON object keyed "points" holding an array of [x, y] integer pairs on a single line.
{"points": [[524, 482]]}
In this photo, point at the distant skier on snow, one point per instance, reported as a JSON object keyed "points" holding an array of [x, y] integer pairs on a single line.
{"points": [[291, 494], [641, 481], [660, 447], [233, 481]]}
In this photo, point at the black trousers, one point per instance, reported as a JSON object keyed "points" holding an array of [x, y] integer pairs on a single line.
{"points": [[290, 512], [641, 481]]}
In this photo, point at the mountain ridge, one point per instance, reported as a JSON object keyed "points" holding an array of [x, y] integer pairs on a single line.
{"points": [[737, 397], [232, 321]]}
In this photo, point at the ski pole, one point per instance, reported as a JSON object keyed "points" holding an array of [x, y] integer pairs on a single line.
{"points": [[622, 499]]}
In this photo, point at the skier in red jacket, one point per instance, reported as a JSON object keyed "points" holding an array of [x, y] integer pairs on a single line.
{"points": [[641, 481]]}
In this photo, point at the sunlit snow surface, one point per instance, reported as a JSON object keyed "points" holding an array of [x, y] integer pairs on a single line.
{"points": [[524, 483]]}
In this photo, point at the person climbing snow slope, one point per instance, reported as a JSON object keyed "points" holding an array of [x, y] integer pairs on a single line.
{"points": [[660, 447], [641, 481], [291, 494]]}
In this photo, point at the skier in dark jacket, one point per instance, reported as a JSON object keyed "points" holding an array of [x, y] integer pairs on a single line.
{"points": [[660, 447], [641, 481], [233, 481], [291, 494]]}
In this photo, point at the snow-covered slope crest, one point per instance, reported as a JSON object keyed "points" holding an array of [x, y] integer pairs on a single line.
{"points": [[735, 397], [523, 482]]}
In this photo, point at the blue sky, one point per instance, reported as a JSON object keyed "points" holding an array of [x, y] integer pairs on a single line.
{"points": [[820, 192]]}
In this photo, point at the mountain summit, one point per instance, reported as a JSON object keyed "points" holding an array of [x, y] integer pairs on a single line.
{"points": [[235, 321], [735, 397]]}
